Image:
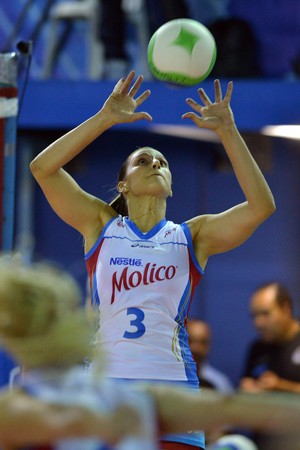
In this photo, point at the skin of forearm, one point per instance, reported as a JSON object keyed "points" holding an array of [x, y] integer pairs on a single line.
{"points": [[38, 423], [210, 410], [34, 428], [64, 149], [248, 174], [289, 386], [195, 413]]}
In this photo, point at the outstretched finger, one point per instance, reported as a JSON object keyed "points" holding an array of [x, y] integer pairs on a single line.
{"points": [[143, 97], [136, 86], [140, 116], [194, 104], [218, 91], [228, 94], [196, 119], [119, 86], [204, 97], [127, 82]]}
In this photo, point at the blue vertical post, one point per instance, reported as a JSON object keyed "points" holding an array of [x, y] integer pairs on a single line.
{"points": [[8, 131]]}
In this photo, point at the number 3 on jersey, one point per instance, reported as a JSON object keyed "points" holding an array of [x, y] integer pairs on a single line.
{"points": [[136, 321]]}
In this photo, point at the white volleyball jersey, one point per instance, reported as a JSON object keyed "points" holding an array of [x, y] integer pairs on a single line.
{"points": [[79, 386], [144, 284]]}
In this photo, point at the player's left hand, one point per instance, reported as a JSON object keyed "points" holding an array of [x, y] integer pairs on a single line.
{"points": [[216, 115]]}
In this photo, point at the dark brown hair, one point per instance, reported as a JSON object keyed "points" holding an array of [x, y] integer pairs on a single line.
{"points": [[119, 202]]}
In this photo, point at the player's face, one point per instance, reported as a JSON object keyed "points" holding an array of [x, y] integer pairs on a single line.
{"points": [[270, 319], [148, 173]]}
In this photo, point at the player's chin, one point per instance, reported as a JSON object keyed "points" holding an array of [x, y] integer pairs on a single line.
{"points": [[158, 185]]}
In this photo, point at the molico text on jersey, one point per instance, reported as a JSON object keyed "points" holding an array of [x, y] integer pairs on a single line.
{"points": [[150, 274]]}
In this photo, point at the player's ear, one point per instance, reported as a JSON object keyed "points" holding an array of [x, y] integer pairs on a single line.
{"points": [[122, 187]]}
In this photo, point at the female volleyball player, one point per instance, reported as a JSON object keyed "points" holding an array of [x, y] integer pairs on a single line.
{"points": [[144, 268]]}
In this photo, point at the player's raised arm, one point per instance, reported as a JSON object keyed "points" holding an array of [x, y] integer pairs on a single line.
{"points": [[221, 232], [79, 209]]}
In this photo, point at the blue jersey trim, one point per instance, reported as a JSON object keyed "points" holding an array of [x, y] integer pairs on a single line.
{"points": [[95, 296], [188, 236], [150, 233], [93, 248], [189, 363], [195, 439], [113, 236]]}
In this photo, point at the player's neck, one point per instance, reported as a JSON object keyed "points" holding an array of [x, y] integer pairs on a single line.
{"points": [[147, 214]]}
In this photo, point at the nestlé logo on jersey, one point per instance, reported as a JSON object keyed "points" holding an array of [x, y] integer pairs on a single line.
{"points": [[130, 280], [123, 261]]}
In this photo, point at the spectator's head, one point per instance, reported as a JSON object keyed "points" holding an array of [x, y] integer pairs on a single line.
{"points": [[199, 339], [272, 312]]}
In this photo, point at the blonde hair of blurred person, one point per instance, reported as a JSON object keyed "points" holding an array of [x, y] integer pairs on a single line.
{"points": [[40, 322]]}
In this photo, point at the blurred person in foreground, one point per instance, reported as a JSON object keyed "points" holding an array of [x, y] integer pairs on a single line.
{"points": [[45, 329]]}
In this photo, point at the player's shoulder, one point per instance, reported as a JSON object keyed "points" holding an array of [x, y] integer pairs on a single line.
{"points": [[195, 224]]}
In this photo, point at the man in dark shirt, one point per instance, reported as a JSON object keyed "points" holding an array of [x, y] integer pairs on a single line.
{"points": [[273, 362]]}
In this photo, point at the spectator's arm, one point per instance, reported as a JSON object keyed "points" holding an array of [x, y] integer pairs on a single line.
{"points": [[269, 381]]}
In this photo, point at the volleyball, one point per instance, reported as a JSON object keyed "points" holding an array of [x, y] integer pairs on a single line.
{"points": [[182, 52], [233, 442]]}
